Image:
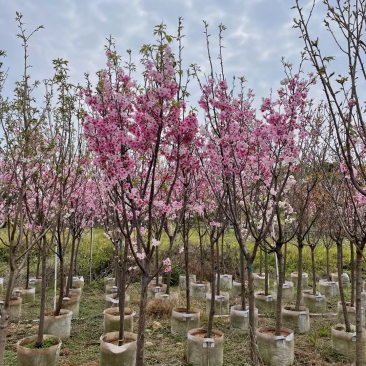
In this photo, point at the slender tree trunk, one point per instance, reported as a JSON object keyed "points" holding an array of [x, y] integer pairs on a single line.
{"points": [[157, 265], [142, 322], [285, 262], [260, 262], [115, 263], [76, 257], [212, 308], [201, 261], [299, 279], [122, 293], [39, 341], [352, 273], [38, 262], [242, 280], [313, 269], [341, 291], [359, 329], [253, 344], [168, 283], [266, 274], [281, 281], [186, 260], [69, 279], [28, 272], [328, 271], [218, 267], [62, 276], [222, 254]]}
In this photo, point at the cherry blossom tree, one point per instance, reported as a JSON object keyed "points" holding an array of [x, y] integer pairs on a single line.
{"points": [[139, 135]]}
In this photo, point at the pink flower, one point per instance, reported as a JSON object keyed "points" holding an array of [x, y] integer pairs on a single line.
{"points": [[141, 256], [351, 103], [181, 249], [167, 262], [155, 242], [168, 269]]}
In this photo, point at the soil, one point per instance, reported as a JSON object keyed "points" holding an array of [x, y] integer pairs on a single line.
{"points": [[272, 331], [202, 332], [342, 329], [292, 308], [115, 311], [184, 311], [52, 313], [125, 340]]}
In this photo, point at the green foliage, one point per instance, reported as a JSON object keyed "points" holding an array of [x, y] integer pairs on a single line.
{"points": [[45, 344], [324, 331]]}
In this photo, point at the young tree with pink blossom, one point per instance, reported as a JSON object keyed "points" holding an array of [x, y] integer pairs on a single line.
{"points": [[132, 130]]}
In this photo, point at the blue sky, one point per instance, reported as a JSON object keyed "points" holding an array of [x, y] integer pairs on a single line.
{"points": [[259, 33]]}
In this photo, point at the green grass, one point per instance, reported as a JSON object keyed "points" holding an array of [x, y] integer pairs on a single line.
{"points": [[103, 254], [82, 349], [46, 344]]}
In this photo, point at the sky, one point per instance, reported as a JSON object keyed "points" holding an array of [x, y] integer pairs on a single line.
{"points": [[259, 33]]}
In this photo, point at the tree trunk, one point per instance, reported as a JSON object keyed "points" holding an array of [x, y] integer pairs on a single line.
{"points": [[76, 257], [328, 271], [352, 274], [266, 274], [218, 267], [260, 262], [222, 254], [168, 282], [122, 293], [253, 344], [212, 309], [313, 269], [115, 265], [62, 276], [281, 281], [200, 280], [359, 330], [157, 265], [285, 262], [299, 279], [38, 262], [28, 272], [186, 260], [69, 279], [142, 322], [242, 279], [39, 341], [341, 291]]}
